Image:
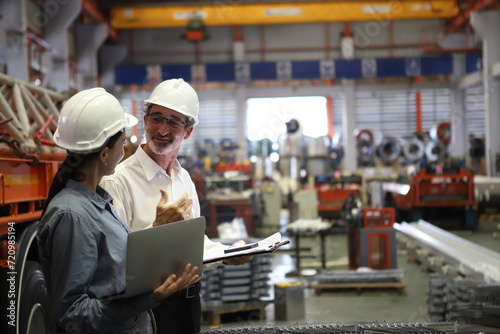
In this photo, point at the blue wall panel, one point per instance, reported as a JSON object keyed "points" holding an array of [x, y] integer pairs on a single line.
{"points": [[344, 68], [348, 69], [263, 71], [436, 65], [305, 69], [131, 74], [391, 67], [176, 71], [473, 63], [220, 72]]}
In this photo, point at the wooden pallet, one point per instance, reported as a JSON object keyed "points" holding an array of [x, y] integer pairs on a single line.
{"points": [[243, 312], [359, 288], [489, 217]]}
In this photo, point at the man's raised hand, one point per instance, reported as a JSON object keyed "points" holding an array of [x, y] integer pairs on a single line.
{"points": [[179, 210]]}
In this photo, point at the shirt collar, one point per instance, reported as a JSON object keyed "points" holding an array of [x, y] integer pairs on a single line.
{"points": [[100, 198], [151, 168]]}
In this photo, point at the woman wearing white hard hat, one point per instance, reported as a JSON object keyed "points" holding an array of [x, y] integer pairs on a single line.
{"points": [[81, 239]]}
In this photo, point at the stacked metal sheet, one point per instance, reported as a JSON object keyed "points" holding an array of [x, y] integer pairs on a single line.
{"points": [[459, 299], [358, 276], [486, 299], [436, 300], [247, 282], [445, 293], [345, 328]]}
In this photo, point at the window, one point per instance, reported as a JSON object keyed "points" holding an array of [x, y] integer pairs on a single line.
{"points": [[267, 117]]}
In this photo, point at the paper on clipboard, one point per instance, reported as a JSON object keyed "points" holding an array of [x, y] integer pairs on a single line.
{"points": [[267, 245]]}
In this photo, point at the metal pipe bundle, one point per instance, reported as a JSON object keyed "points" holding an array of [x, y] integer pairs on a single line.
{"points": [[469, 258]]}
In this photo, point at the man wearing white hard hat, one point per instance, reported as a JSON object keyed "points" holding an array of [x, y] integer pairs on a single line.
{"points": [[81, 240], [153, 173]]}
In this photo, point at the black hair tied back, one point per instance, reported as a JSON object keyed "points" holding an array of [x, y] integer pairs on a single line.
{"points": [[69, 169], [65, 172]]}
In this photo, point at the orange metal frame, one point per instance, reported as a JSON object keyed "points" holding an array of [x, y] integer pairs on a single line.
{"points": [[332, 199], [23, 188]]}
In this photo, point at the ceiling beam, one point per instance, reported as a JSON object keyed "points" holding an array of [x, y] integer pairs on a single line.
{"points": [[91, 7], [225, 13], [464, 16]]}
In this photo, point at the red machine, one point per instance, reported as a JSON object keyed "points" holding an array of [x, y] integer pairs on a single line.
{"points": [[331, 199], [378, 218], [371, 238], [377, 239], [435, 197], [333, 192]]}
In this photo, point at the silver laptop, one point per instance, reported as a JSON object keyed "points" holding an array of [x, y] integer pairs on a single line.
{"points": [[155, 253]]}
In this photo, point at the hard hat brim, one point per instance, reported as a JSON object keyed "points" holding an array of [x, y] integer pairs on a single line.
{"points": [[171, 107], [130, 121]]}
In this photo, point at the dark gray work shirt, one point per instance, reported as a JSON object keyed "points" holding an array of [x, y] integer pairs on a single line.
{"points": [[82, 245]]}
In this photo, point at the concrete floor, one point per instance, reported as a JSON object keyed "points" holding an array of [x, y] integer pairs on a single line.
{"points": [[369, 306]]}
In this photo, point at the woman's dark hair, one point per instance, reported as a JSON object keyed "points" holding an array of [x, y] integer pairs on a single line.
{"points": [[69, 169]]}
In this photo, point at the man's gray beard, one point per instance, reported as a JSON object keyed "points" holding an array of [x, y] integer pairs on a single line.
{"points": [[158, 148]]}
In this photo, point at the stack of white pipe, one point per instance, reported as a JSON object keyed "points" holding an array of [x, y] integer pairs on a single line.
{"points": [[470, 258]]}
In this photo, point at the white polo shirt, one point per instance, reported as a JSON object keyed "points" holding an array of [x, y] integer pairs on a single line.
{"points": [[135, 188]]}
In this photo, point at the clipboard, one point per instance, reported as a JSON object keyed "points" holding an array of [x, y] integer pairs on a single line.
{"points": [[267, 245]]}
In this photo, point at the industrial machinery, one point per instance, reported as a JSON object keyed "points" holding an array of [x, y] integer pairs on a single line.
{"points": [[431, 147], [291, 149], [332, 192], [487, 194], [436, 148], [365, 147], [377, 238], [260, 153], [291, 159], [477, 155], [371, 238], [413, 150], [317, 155], [389, 150], [335, 152], [444, 197], [28, 162], [441, 132]]}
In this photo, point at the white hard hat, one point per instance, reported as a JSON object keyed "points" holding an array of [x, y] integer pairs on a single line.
{"points": [[178, 95], [88, 119]]}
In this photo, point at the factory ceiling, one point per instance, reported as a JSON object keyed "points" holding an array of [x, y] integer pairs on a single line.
{"points": [[134, 14], [228, 14], [139, 14]]}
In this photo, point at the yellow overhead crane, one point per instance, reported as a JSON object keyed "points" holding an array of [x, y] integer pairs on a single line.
{"points": [[230, 14]]}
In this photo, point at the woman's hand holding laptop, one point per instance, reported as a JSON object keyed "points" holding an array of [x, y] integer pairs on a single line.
{"points": [[173, 284]]}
